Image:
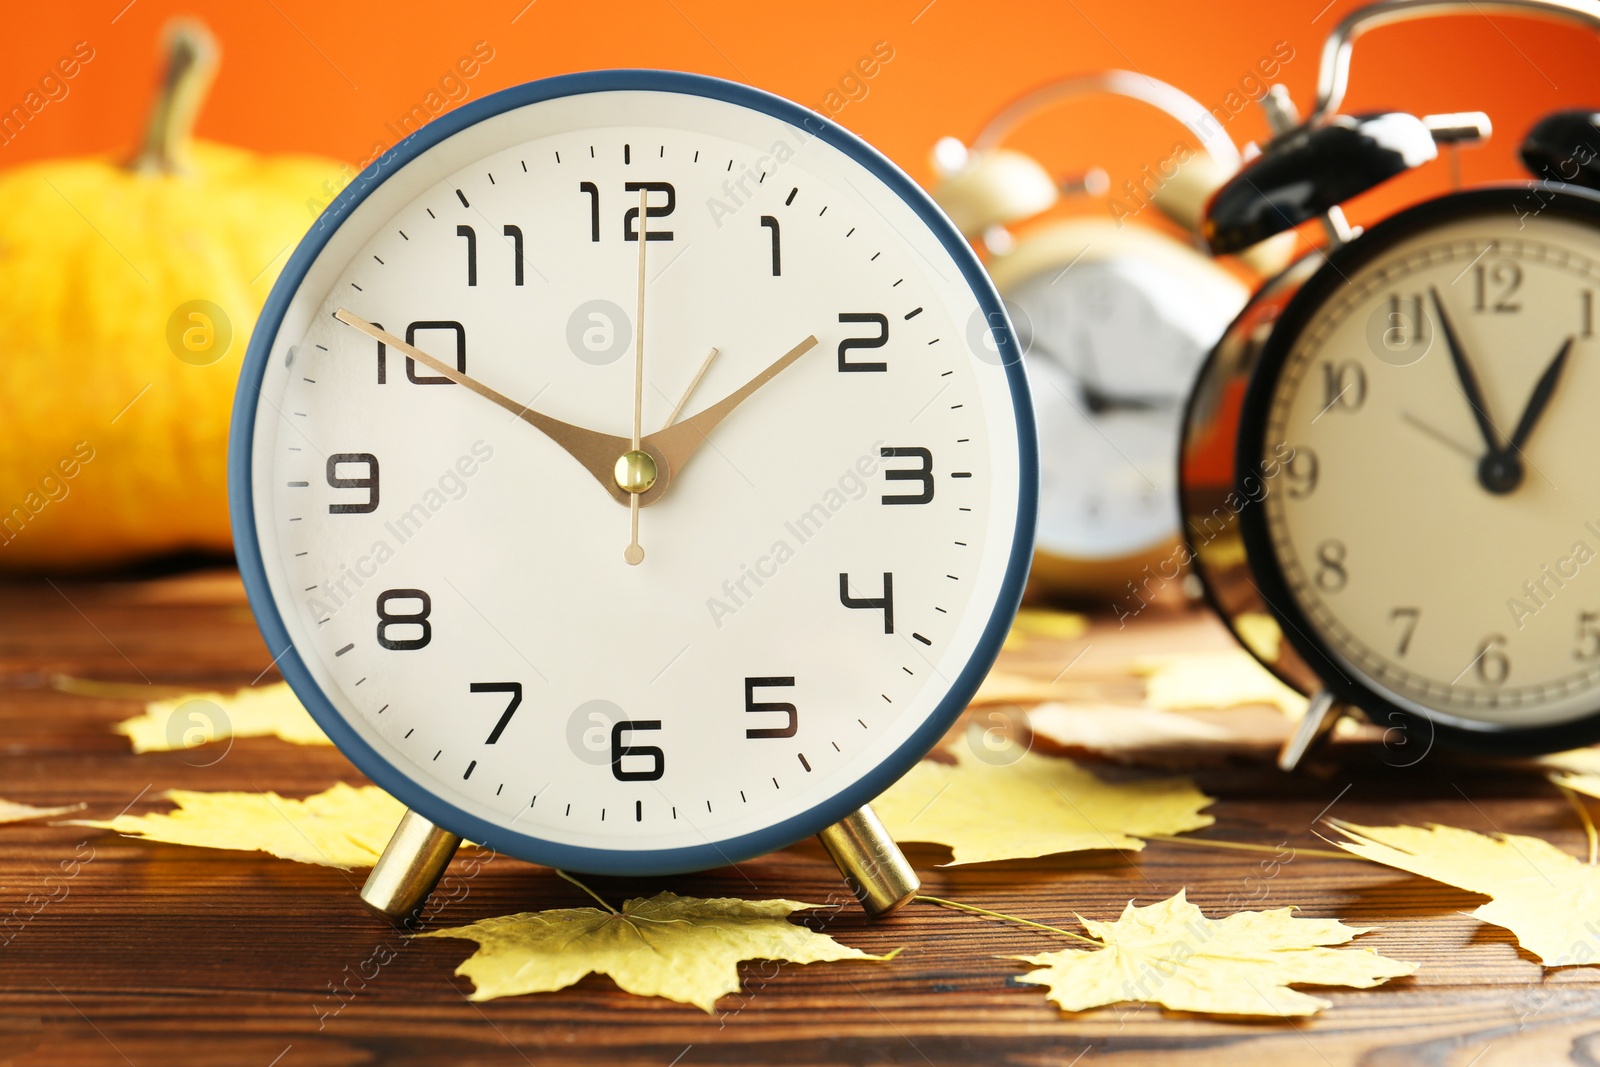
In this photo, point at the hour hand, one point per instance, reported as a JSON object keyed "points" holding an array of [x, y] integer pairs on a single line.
{"points": [[1540, 399], [596, 452]]}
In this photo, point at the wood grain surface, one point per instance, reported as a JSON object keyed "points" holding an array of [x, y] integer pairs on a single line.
{"points": [[159, 955]]}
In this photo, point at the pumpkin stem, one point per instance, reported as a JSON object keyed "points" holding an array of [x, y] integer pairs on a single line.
{"points": [[192, 56]]}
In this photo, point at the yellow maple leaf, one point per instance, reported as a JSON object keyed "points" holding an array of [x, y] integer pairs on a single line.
{"points": [[11, 811], [201, 718], [682, 948], [1544, 896], [1034, 806], [1260, 632], [344, 826], [1577, 760], [1242, 964], [1209, 680]]}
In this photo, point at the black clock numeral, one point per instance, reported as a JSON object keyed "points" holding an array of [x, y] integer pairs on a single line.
{"points": [[1407, 324], [1408, 619], [882, 322], [594, 208], [1588, 649], [621, 750], [369, 482], [418, 618], [472, 252], [923, 473], [777, 262], [1586, 313], [1303, 469], [1492, 663], [630, 218], [515, 233], [1505, 277], [456, 328], [1331, 574], [513, 688], [885, 602], [1344, 385], [752, 706]]}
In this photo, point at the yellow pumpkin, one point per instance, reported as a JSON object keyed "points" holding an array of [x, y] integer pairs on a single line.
{"points": [[128, 290]]}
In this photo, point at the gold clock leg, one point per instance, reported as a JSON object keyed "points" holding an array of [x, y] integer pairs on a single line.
{"points": [[1321, 714], [409, 868], [872, 864]]}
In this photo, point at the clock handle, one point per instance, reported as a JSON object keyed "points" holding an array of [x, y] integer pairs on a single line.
{"points": [[1321, 715], [872, 864], [409, 868]]}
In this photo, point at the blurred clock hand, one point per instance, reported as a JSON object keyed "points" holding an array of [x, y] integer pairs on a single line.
{"points": [[1097, 399], [1442, 438], [596, 452], [1540, 398], [677, 443], [1469, 380], [1100, 402], [1503, 469]]}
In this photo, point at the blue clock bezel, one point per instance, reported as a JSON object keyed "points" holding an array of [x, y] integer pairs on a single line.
{"points": [[413, 794]]}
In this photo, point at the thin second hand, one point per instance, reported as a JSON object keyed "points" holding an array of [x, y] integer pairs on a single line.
{"points": [[687, 393], [635, 553]]}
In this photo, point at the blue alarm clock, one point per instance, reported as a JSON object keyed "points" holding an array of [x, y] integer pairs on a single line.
{"points": [[636, 472]]}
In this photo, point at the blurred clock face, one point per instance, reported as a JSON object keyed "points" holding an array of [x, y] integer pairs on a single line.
{"points": [[465, 585], [1115, 343], [1438, 524]]}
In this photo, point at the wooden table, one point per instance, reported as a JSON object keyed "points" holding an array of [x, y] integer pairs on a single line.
{"points": [[159, 955]]}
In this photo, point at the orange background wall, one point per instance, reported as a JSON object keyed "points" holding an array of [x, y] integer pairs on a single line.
{"points": [[332, 77]]}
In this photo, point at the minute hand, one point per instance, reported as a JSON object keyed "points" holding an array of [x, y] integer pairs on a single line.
{"points": [[596, 451], [1469, 380], [677, 443]]}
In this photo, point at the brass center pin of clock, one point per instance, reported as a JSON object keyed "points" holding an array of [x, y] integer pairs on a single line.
{"points": [[635, 471]]}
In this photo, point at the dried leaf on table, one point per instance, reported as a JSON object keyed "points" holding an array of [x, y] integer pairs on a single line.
{"points": [[1242, 964], [1585, 783], [201, 718], [681, 948], [1047, 624], [11, 811], [345, 826], [1130, 731], [1544, 896], [1577, 761], [1001, 688], [1033, 806], [1195, 680]]}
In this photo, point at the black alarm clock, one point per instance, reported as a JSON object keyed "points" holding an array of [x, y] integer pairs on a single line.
{"points": [[1391, 452]]}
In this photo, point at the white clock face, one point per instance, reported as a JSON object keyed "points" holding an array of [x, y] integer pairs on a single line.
{"points": [[1114, 346], [814, 580], [1445, 548]]}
